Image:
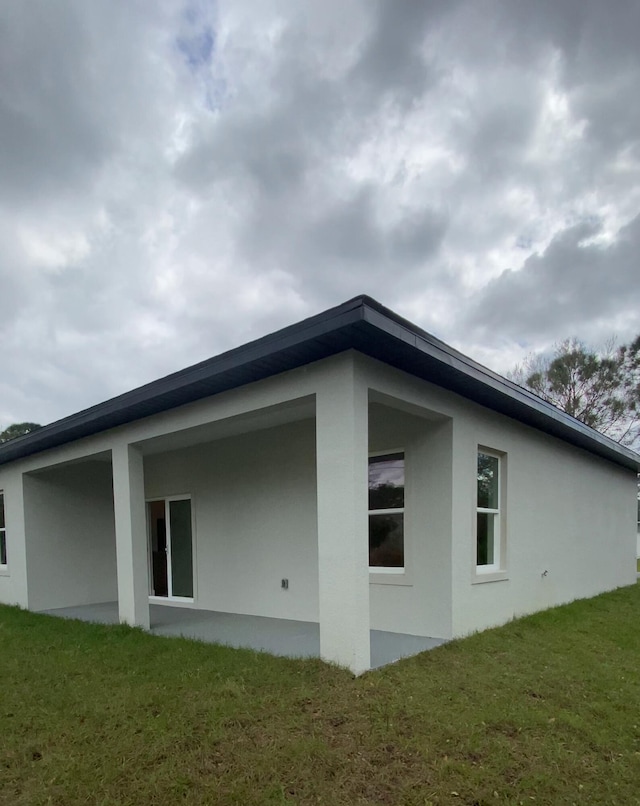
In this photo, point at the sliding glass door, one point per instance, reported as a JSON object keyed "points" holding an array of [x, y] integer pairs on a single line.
{"points": [[170, 547]]}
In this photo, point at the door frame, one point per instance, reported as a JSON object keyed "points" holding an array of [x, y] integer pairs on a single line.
{"points": [[177, 600]]}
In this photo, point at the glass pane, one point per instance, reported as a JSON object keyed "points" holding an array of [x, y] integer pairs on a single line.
{"points": [[181, 548], [158, 536], [487, 481], [486, 538], [2, 523], [386, 481], [3, 548], [386, 540]]}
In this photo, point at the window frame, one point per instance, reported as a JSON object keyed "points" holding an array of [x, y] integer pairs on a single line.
{"points": [[497, 569], [4, 566], [387, 572]]}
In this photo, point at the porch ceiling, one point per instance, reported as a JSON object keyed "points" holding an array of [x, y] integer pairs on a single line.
{"points": [[100, 459], [270, 417]]}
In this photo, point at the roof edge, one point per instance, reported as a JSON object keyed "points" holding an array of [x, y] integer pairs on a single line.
{"points": [[319, 336], [52, 434], [378, 316]]}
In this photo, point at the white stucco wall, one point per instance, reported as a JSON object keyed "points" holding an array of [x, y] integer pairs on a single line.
{"points": [[69, 524], [254, 508], [569, 513], [570, 523], [419, 601]]}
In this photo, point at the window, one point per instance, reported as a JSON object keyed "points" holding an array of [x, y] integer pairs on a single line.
{"points": [[386, 513], [3, 533], [488, 534]]}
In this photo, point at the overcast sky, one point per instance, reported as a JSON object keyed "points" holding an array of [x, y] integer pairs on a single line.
{"points": [[178, 178]]}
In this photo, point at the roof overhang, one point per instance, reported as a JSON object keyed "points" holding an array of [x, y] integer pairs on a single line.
{"points": [[361, 324]]}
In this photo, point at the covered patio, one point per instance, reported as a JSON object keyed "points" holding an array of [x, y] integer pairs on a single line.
{"points": [[257, 504], [284, 637]]}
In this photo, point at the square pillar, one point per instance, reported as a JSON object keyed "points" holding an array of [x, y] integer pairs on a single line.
{"points": [[15, 578], [342, 444], [131, 536]]}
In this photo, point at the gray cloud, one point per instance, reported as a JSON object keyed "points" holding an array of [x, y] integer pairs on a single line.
{"points": [[180, 178], [72, 81], [46, 138], [573, 282], [393, 59], [286, 166]]}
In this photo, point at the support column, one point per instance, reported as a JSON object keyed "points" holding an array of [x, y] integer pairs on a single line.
{"points": [[131, 536], [342, 443], [15, 585]]}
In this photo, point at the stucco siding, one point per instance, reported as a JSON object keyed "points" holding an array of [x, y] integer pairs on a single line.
{"points": [[70, 535], [254, 508], [570, 525], [418, 602], [568, 513]]}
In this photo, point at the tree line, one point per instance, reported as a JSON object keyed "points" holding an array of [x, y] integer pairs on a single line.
{"points": [[17, 430], [598, 387]]}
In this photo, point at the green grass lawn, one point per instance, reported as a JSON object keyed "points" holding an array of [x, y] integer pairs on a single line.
{"points": [[545, 710]]}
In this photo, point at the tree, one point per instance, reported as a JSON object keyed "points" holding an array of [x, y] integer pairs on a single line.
{"points": [[17, 430], [599, 387]]}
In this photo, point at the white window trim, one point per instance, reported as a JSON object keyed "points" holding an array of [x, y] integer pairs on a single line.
{"points": [[4, 567], [497, 569], [389, 572], [176, 600]]}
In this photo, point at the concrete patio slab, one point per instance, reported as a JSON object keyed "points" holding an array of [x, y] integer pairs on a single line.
{"points": [[284, 637]]}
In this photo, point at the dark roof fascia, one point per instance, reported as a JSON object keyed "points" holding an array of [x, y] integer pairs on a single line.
{"points": [[314, 338], [460, 374], [361, 323]]}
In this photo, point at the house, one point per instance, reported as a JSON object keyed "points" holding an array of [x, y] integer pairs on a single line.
{"points": [[349, 472]]}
